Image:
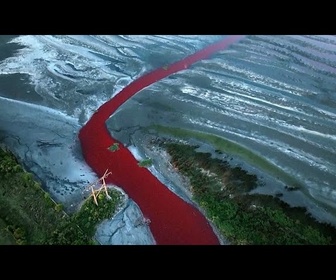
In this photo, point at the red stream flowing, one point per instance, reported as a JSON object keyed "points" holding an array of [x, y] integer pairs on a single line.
{"points": [[173, 220]]}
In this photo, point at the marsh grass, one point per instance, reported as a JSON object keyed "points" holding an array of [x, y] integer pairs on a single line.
{"points": [[29, 216], [223, 192]]}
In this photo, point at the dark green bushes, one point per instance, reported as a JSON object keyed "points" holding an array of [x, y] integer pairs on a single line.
{"points": [[223, 192]]}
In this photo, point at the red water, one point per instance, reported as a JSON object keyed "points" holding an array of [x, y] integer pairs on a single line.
{"points": [[173, 221]]}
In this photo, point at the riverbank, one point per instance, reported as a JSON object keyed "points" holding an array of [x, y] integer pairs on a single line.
{"points": [[225, 195], [29, 216]]}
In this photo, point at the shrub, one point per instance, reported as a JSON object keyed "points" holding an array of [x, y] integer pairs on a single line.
{"points": [[145, 162], [58, 207], [114, 147]]}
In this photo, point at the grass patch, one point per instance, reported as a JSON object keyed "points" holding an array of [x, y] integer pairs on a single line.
{"points": [[91, 214], [114, 147], [222, 192], [29, 216], [145, 162]]}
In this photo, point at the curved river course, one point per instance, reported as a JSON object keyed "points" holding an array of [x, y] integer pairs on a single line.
{"points": [[173, 221]]}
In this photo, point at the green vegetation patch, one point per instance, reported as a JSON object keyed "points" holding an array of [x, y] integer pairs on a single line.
{"points": [[90, 214], [81, 227], [29, 216], [145, 162], [223, 192], [114, 147]]}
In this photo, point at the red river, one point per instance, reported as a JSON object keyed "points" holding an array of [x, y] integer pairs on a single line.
{"points": [[173, 221]]}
